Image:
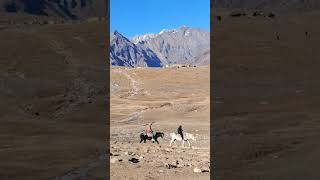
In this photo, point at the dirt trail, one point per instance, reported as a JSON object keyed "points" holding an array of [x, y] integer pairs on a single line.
{"points": [[134, 83]]}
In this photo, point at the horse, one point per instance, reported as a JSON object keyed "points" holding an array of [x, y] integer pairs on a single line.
{"points": [[177, 137], [144, 137]]}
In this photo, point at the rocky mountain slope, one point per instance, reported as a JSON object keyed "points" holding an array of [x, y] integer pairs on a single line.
{"points": [[67, 9], [125, 53], [178, 46]]}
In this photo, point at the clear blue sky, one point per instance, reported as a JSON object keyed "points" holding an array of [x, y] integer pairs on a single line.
{"points": [[133, 17]]}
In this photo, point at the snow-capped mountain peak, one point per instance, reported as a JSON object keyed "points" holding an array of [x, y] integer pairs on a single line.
{"points": [[140, 38], [183, 45]]}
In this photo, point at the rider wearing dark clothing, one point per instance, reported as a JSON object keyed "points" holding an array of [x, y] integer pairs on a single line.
{"points": [[180, 131]]}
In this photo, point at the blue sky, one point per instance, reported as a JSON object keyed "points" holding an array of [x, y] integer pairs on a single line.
{"points": [[135, 17]]}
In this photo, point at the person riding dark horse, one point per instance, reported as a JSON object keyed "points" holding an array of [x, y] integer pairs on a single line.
{"points": [[180, 131], [149, 131]]}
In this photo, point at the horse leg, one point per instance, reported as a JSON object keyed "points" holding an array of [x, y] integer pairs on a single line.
{"points": [[175, 142], [171, 142], [141, 140], [156, 139], [182, 143], [188, 142]]}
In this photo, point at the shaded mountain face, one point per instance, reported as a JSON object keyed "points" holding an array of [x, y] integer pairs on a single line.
{"points": [[125, 53], [179, 46], [67, 9], [274, 5]]}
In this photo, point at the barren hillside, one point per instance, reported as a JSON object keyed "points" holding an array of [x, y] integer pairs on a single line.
{"points": [[266, 97], [53, 99]]}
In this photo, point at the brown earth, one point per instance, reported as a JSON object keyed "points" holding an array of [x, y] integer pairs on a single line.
{"points": [[167, 97], [53, 99], [266, 97]]}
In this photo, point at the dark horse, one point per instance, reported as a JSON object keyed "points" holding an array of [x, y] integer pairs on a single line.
{"points": [[144, 137]]}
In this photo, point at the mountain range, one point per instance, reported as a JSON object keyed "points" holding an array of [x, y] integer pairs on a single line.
{"points": [[185, 45], [66, 9]]}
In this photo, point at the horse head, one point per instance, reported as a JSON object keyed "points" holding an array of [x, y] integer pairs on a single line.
{"points": [[160, 134], [191, 136]]}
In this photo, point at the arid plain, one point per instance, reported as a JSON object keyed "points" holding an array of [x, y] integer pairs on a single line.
{"points": [[169, 97]]}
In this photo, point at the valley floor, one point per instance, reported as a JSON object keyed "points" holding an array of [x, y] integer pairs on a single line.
{"points": [[167, 97]]}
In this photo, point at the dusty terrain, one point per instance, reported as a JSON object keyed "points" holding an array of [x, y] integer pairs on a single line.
{"points": [[53, 99], [266, 97], [167, 97]]}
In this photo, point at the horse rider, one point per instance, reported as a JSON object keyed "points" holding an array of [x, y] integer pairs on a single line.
{"points": [[149, 130], [180, 131]]}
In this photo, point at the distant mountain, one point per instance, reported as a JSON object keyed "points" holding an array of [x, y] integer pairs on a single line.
{"points": [[184, 45], [67, 9], [270, 5], [203, 59], [125, 53], [178, 46]]}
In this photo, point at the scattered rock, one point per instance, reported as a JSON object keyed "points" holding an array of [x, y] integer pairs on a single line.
{"points": [[168, 150], [146, 150], [205, 170], [113, 160], [134, 160], [180, 165], [111, 154], [141, 157], [171, 166], [197, 170]]}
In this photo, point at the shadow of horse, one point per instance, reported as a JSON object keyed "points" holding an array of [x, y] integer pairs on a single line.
{"points": [[144, 137]]}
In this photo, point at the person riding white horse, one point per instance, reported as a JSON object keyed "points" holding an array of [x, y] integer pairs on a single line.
{"points": [[177, 137], [180, 131]]}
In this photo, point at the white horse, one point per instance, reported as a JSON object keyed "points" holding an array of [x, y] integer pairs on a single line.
{"points": [[177, 137]]}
